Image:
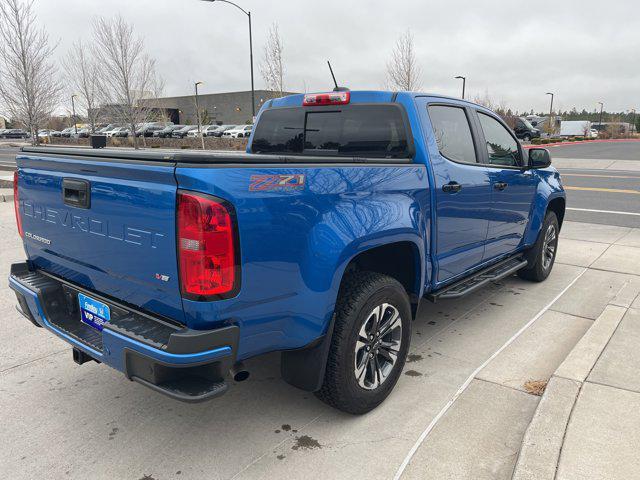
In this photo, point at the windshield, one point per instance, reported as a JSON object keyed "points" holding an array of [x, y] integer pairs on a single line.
{"points": [[527, 124], [353, 130]]}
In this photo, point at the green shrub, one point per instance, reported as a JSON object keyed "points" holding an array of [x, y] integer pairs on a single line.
{"points": [[545, 141], [536, 141]]}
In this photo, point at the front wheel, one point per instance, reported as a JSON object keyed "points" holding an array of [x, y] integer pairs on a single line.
{"points": [[370, 341], [543, 253]]}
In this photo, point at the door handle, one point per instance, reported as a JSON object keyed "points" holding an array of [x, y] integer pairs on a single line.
{"points": [[451, 187], [500, 185]]}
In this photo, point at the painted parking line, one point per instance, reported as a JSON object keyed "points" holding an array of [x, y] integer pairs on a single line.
{"points": [[613, 212], [608, 190]]}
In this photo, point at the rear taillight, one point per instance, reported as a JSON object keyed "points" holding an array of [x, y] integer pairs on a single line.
{"points": [[16, 203], [207, 247], [332, 98]]}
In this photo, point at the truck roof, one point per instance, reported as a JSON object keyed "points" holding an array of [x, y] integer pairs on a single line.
{"points": [[364, 96]]}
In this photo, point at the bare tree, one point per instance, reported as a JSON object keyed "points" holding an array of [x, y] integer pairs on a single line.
{"points": [[29, 85], [501, 108], [272, 66], [128, 73], [83, 76], [403, 71]]}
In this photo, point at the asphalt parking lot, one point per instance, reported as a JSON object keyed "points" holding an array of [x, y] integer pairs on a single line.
{"points": [[459, 411]]}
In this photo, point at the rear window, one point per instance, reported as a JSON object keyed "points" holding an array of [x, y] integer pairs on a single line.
{"points": [[354, 130]]}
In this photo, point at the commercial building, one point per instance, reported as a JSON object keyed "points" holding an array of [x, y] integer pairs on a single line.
{"points": [[215, 108]]}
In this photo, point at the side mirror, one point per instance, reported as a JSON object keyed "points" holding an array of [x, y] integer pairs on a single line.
{"points": [[539, 158]]}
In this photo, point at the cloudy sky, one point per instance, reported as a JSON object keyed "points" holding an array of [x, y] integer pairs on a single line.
{"points": [[585, 51]]}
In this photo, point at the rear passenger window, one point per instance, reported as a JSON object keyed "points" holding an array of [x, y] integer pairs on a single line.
{"points": [[501, 146], [453, 134]]}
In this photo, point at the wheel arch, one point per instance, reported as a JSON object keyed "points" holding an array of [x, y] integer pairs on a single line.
{"points": [[400, 259], [558, 206]]}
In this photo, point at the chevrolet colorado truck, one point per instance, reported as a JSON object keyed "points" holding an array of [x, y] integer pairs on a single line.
{"points": [[319, 242]]}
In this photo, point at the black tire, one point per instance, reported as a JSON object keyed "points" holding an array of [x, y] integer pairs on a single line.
{"points": [[541, 259], [526, 138], [360, 293]]}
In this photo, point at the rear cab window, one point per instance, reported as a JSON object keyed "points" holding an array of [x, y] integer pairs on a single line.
{"points": [[354, 130]]}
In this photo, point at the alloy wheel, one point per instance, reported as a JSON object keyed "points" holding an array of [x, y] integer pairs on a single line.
{"points": [[378, 345]]}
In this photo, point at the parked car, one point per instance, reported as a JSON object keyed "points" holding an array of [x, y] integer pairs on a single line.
{"points": [[524, 130], [182, 273], [45, 133], [67, 132], [194, 133], [82, 133], [207, 130], [166, 131], [14, 133], [182, 132], [220, 130], [593, 133], [117, 132], [121, 132], [238, 131], [148, 130]]}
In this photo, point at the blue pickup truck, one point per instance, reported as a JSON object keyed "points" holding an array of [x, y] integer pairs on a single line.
{"points": [[348, 209]]}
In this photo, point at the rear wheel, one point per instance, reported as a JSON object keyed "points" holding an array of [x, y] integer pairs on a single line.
{"points": [[543, 254], [526, 138], [369, 344]]}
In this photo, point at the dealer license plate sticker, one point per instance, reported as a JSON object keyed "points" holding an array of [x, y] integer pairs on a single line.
{"points": [[93, 312]]}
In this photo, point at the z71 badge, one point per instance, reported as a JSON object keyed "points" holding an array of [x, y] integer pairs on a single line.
{"points": [[276, 182]]}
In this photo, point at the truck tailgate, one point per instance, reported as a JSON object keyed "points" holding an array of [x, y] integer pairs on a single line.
{"points": [[107, 225]]}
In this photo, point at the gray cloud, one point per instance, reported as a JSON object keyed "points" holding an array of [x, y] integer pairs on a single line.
{"points": [[584, 51]]}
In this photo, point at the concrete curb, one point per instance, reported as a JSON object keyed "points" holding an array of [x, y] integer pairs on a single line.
{"points": [[6, 197], [543, 439], [562, 144]]}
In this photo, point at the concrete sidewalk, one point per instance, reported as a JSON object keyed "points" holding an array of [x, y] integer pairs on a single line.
{"points": [[596, 164], [587, 424], [495, 427]]}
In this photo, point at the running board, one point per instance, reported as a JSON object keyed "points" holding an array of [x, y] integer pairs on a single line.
{"points": [[479, 279]]}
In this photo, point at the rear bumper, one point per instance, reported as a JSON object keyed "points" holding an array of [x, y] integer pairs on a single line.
{"points": [[188, 365]]}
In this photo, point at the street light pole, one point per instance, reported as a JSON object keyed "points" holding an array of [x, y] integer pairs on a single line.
{"points": [[551, 125], [551, 107], [248, 14], [633, 121], [253, 91], [601, 108], [198, 116], [464, 82], [73, 108]]}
